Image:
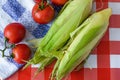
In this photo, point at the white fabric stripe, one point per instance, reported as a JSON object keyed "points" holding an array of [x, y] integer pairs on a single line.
{"points": [[115, 7], [94, 7], [2, 2], [114, 34], [91, 62], [1, 78], [6, 68], [27, 4], [115, 61], [35, 66], [6, 19]]}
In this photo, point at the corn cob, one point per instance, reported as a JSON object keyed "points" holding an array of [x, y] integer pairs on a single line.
{"points": [[84, 40], [72, 16], [74, 20], [61, 37], [70, 11]]}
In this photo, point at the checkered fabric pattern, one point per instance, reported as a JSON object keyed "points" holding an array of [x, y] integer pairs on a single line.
{"points": [[104, 61]]}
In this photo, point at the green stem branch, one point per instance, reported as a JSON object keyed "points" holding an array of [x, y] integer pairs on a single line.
{"points": [[6, 47]]}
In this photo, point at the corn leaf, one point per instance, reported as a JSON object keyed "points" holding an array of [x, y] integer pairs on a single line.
{"points": [[84, 42]]}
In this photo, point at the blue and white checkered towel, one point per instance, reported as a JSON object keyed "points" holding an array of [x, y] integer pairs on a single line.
{"points": [[18, 11]]}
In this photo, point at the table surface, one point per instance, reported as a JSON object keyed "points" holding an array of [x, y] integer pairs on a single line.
{"points": [[106, 56]]}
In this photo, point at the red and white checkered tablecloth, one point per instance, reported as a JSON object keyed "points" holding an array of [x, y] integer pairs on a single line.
{"points": [[104, 60]]}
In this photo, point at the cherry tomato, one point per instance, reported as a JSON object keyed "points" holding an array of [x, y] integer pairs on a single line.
{"points": [[14, 32], [43, 15], [21, 53], [59, 2]]}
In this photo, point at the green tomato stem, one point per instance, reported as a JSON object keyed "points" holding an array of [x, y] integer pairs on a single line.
{"points": [[42, 4], [5, 48]]}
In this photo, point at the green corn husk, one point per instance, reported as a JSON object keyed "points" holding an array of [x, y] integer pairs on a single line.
{"points": [[72, 9], [75, 18], [61, 37], [84, 40], [72, 16]]}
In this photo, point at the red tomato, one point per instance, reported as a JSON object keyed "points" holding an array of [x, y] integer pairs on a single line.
{"points": [[21, 53], [14, 32], [59, 2], [43, 16]]}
